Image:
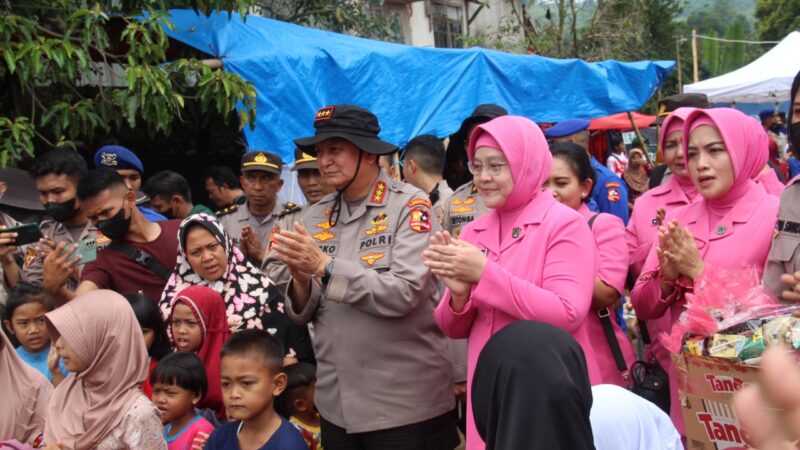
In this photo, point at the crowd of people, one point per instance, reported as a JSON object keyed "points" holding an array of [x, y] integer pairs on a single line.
{"points": [[477, 287]]}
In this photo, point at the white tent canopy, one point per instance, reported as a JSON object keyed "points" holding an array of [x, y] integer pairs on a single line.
{"points": [[767, 79]]}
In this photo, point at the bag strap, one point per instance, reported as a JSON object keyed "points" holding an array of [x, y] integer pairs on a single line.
{"points": [[142, 258], [605, 319]]}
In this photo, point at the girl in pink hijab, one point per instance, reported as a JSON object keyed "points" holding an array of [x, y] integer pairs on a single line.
{"points": [[730, 226], [25, 393], [100, 404], [529, 258]]}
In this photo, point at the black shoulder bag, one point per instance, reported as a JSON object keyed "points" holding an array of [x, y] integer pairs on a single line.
{"points": [[647, 379], [142, 258]]}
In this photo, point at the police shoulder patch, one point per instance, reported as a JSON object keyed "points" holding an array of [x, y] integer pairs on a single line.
{"points": [[420, 220], [227, 210]]}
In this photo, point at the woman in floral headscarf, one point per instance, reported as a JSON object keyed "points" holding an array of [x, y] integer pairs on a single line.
{"points": [[208, 257]]}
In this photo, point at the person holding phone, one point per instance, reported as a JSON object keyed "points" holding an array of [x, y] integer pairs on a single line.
{"points": [[56, 174]]}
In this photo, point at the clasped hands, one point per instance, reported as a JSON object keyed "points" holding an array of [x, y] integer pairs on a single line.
{"points": [[677, 253], [298, 250], [457, 263]]}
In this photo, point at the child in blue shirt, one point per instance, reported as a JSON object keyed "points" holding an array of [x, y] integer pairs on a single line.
{"points": [[252, 376], [24, 320]]}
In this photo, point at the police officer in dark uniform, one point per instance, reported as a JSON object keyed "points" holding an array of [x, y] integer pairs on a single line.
{"points": [[609, 195]]}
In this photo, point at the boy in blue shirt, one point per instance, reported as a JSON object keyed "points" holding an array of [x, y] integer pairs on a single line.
{"points": [[251, 370]]}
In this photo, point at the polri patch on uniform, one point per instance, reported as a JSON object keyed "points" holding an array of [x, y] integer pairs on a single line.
{"points": [[30, 256], [420, 202], [372, 258], [324, 113], [420, 220], [379, 193]]}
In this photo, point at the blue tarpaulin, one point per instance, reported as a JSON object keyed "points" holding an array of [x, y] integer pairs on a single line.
{"points": [[413, 90]]}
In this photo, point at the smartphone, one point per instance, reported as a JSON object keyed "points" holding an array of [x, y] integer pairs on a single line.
{"points": [[26, 234], [87, 250]]}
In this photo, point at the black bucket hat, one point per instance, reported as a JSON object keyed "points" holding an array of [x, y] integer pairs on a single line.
{"points": [[350, 122]]}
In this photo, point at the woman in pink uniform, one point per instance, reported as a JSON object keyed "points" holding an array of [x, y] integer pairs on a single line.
{"points": [[730, 226], [571, 181], [529, 258], [678, 190]]}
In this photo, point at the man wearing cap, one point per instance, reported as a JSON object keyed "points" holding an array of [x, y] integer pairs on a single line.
{"points": [[128, 165], [250, 224], [423, 163], [464, 205], [660, 174], [383, 376], [610, 195], [314, 189]]}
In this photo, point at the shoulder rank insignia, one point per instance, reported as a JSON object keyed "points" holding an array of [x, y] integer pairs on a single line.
{"points": [[227, 210], [474, 189], [379, 193], [289, 208]]}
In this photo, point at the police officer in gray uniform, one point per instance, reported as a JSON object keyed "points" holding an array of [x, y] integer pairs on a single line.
{"points": [[250, 224], [384, 379]]}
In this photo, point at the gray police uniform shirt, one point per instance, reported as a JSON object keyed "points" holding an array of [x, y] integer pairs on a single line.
{"points": [[235, 217], [33, 259], [784, 254], [440, 204], [382, 361], [464, 206], [272, 266]]}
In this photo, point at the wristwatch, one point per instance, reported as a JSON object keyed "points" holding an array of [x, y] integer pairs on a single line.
{"points": [[328, 272]]}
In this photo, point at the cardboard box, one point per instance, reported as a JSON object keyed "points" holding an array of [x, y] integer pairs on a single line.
{"points": [[706, 395]]}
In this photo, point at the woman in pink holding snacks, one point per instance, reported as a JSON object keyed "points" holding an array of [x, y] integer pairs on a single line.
{"points": [[730, 226], [529, 258]]}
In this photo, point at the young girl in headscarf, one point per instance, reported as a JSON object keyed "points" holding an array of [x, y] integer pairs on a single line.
{"points": [[208, 257], [571, 182], [197, 324], [529, 258], [25, 393], [729, 226], [100, 404]]}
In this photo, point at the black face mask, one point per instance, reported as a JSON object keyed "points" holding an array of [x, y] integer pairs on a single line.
{"points": [[60, 211], [115, 227], [795, 134], [776, 128]]}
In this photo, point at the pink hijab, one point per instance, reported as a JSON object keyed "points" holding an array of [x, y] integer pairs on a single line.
{"points": [[747, 151], [24, 392], [674, 122], [101, 328], [525, 147]]}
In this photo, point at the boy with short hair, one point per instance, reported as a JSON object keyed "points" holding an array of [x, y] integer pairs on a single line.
{"points": [[251, 369], [298, 402]]}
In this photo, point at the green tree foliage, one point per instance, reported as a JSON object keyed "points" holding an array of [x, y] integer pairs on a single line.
{"points": [[364, 18], [57, 57], [777, 18]]}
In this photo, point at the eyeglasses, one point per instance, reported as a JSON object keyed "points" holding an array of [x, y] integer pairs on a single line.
{"points": [[493, 168]]}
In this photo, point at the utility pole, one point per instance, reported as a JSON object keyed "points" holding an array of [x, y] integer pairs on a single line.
{"points": [[694, 54], [678, 60]]}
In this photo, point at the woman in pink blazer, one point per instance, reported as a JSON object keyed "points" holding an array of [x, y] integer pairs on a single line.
{"points": [[731, 225], [571, 181], [649, 210], [529, 258]]}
